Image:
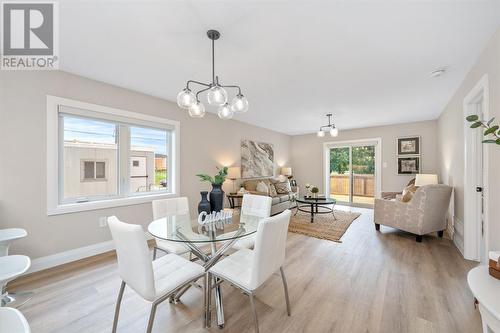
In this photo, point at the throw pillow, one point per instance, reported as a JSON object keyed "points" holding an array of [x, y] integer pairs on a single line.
{"points": [[262, 187], [283, 187], [408, 193], [272, 190]]}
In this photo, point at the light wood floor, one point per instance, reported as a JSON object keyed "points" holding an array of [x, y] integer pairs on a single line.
{"points": [[372, 282]]}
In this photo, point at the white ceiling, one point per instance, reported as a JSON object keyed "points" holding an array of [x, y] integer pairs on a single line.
{"points": [[366, 62]]}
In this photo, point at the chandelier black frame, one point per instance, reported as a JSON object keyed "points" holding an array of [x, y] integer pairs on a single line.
{"points": [[186, 99]]}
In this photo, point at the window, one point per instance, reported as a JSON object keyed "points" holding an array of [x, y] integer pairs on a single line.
{"points": [[106, 157], [93, 170]]}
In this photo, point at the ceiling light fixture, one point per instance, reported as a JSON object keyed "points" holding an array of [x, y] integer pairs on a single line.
{"points": [[437, 72], [216, 94], [334, 131]]}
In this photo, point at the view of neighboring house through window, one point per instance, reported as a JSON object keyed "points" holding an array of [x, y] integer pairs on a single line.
{"points": [[90, 164], [93, 170], [96, 152], [148, 159]]}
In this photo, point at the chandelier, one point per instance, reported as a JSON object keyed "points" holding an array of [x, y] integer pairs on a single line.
{"points": [[334, 131], [216, 94]]}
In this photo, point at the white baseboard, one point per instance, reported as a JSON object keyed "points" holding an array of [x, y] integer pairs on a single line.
{"points": [[458, 235], [65, 257]]}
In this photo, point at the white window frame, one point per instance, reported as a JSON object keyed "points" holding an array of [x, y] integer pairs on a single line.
{"points": [[54, 183]]}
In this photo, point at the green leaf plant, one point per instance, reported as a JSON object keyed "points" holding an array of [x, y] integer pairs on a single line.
{"points": [[218, 179], [491, 133]]}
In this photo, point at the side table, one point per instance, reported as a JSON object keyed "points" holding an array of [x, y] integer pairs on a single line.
{"points": [[233, 200]]}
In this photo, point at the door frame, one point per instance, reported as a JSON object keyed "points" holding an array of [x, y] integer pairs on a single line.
{"points": [[475, 245], [347, 143]]}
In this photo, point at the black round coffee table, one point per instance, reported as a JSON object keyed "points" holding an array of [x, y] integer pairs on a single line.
{"points": [[316, 206]]}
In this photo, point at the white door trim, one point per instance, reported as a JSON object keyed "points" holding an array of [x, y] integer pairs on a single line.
{"points": [[347, 143], [472, 227]]}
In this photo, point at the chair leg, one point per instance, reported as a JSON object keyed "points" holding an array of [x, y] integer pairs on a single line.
{"points": [[151, 317], [208, 308], [377, 226], [181, 292], [254, 313], [154, 252], [440, 233], [285, 287], [117, 308], [419, 238]]}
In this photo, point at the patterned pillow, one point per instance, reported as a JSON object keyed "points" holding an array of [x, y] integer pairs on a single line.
{"points": [[283, 187], [272, 190]]}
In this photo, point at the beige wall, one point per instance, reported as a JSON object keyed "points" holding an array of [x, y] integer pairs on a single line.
{"points": [[307, 152], [205, 143], [451, 137]]}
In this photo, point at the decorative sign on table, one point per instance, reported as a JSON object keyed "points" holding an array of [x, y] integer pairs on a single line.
{"points": [[215, 220]]}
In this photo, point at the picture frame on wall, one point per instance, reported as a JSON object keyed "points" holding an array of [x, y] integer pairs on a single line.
{"points": [[409, 145], [409, 165]]}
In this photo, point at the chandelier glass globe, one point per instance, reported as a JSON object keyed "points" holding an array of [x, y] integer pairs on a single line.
{"points": [[334, 131], [239, 104], [197, 110], [320, 134], [225, 112], [217, 96], [185, 99]]}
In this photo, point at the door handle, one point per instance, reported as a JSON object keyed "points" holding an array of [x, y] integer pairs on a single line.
{"points": [[479, 189]]}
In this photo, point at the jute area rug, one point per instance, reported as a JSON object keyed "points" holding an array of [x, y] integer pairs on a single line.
{"points": [[324, 225]]}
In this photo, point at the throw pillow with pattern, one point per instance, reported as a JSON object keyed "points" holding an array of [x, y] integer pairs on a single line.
{"points": [[283, 187]]}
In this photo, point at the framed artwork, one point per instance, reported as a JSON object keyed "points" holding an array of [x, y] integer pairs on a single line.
{"points": [[257, 159], [408, 165], [408, 145]]}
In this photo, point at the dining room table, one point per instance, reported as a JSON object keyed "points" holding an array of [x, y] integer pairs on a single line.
{"points": [[209, 242]]}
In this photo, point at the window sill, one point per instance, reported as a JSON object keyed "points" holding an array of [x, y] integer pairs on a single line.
{"points": [[103, 204]]}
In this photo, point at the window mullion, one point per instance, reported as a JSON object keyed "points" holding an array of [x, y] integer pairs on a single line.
{"points": [[123, 158]]}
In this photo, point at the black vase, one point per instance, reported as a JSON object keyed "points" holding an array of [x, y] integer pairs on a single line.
{"points": [[216, 198], [204, 205]]}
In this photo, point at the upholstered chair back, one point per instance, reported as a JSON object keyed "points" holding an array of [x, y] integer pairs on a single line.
{"points": [[172, 206], [256, 205], [270, 246], [134, 264], [428, 207]]}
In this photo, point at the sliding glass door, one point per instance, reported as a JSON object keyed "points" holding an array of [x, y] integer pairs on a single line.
{"points": [[352, 177]]}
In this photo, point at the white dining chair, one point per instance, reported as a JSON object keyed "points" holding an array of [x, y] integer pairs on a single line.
{"points": [[10, 268], [167, 207], [7, 236], [13, 321], [255, 206], [154, 281], [248, 269]]}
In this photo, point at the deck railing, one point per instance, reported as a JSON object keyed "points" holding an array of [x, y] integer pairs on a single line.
{"points": [[363, 185]]}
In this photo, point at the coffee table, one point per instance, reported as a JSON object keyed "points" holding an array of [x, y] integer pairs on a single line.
{"points": [[315, 206]]}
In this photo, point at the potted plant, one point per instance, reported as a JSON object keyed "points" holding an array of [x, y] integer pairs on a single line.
{"points": [[314, 191], [217, 194], [490, 130]]}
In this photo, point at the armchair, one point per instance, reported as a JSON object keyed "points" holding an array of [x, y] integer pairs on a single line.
{"points": [[423, 214]]}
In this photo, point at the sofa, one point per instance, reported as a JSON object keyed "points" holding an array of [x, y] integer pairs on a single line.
{"points": [[280, 201], [424, 213]]}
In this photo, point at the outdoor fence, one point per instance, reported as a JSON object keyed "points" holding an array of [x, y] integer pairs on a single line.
{"points": [[363, 185]]}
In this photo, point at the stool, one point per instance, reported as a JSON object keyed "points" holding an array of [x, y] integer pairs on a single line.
{"points": [[10, 268], [9, 235]]}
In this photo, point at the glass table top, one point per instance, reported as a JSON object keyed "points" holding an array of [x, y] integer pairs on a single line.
{"points": [[320, 200], [181, 228]]}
